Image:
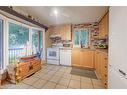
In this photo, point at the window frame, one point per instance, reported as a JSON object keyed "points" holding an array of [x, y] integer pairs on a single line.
{"points": [[5, 39], [79, 46], [2, 65]]}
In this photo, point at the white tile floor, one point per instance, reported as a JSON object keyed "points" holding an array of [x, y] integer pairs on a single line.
{"points": [[55, 77]]}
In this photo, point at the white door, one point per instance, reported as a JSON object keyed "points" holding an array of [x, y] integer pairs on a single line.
{"points": [[65, 57]]}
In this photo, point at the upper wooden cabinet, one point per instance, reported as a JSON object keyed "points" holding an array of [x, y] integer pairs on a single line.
{"points": [[63, 30], [66, 32], [104, 26]]}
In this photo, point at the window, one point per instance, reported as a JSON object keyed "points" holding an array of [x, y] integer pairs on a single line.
{"points": [[81, 37], [1, 44], [19, 45], [37, 41]]}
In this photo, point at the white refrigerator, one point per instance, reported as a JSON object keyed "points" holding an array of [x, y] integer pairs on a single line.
{"points": [[117, 47]]}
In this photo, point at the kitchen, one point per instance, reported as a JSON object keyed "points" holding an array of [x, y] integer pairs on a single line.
{"points": [[90, 54], [74, 48], [73, 52]]}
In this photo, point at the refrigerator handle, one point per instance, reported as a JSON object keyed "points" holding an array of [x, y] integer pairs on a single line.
{"points": [[123, 73]]}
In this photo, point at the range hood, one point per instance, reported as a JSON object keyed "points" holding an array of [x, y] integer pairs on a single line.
{"points": [[55, 36]]}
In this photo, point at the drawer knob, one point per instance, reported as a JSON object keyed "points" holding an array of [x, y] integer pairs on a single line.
{"points": [[106, 58], [105, 75]]}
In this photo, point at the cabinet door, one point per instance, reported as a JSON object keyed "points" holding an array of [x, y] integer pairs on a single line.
{"points": [[96, 60], [76, 57], [87, 58], [104, 69], [104, 26], [98, 63], [66, 32]]}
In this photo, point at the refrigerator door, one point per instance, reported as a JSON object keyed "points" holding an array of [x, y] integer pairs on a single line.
{"points": [[117, 38], [116, 80]]}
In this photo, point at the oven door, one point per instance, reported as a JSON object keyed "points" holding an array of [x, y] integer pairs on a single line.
{"points": [[53, 54]]}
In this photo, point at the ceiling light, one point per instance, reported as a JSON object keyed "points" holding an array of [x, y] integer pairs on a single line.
{"points": [[55, 12]]}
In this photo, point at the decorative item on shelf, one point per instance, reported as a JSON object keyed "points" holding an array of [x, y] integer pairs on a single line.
{"points": [[11, 7], [34, 19], [29, 16]]}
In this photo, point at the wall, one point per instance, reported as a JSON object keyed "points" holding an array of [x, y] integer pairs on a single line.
{"points": [[117, 46], [47, 43]]}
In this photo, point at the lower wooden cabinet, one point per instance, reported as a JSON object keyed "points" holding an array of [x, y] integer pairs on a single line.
{"points": [[101, 66], [76, 57], [92, 59], [87, 58], [83, 58]]}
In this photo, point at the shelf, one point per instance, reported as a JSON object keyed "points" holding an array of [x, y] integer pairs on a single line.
{"points": [[13, 12]]}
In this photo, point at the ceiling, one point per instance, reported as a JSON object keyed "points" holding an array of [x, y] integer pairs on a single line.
{"points": [[50, 15]]}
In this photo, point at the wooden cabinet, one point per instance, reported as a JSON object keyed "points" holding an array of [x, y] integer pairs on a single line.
{"points": [[101, 66], [83, 58], [76, 57], [63, 30], [97, 62], [104, 70], [104, 26], [66, 32], [92, 59], [87, 58]]}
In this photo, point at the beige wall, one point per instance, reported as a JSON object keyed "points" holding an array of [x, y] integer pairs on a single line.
{"points": [[47, 43]]}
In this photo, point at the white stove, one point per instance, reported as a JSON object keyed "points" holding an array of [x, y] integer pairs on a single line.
{"points": [[53, 56]]}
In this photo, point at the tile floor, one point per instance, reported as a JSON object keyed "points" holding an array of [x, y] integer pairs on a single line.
{"points": [[55, 77]]}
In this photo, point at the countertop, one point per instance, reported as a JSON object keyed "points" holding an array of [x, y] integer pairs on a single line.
{"points": [[99, 50]]}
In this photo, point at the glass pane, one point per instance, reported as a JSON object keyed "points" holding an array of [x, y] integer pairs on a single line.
{"points": [[35, 41], [19, 45], [41, 39], [1, 44], [76, 37], [84, 37]]}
